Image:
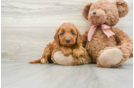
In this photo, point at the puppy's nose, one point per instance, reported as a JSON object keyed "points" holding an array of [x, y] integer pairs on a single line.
{"points": [[67, 40], [94, 13]]}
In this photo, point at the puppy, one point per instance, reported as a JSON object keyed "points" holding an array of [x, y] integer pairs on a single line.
{"points": [[66, 49]]}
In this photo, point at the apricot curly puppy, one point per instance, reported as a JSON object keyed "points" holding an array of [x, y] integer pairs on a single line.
{"points": [[66, 49]]}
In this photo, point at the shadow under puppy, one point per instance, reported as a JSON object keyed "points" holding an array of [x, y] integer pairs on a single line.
{"points": [[66, 49]]}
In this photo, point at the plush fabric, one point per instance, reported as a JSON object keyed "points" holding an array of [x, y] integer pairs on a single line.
{"points": [[60, 58], [66, 49], [107, 12], [110, 57], [105, 28]]}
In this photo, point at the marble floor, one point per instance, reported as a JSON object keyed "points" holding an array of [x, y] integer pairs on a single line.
{"points": [[20, 74]]}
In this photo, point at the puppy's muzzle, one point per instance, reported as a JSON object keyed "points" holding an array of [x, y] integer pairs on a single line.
{"points": [[67, 40]]}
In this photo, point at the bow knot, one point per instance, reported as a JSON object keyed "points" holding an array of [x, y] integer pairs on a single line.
{"points": [[105, 28]]}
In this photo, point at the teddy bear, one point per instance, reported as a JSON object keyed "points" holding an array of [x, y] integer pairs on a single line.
{"points": [[107, 46]]}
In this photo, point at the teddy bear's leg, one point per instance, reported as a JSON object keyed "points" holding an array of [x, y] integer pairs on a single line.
{"points": [[45, 56], [112, 56], [109, 57], [115, 56]]}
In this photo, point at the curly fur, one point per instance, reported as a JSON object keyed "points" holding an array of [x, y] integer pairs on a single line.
{"points": [[74, 47]]}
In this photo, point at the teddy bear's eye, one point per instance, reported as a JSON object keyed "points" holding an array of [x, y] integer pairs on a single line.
{"points": [[105, 12]]}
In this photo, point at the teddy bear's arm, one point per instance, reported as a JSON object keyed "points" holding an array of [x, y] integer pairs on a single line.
{"points": [[123, 40], [84, 38]]}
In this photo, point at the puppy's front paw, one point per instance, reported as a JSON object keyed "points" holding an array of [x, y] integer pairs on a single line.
{"points": [[66, 53], [44, 61], [78, 53]]}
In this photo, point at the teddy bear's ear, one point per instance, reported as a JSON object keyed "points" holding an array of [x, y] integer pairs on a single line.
{"points": [[122, 7], [86, 10]]}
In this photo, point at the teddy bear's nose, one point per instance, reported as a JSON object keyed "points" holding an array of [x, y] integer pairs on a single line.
{"points": [[94, 13]]}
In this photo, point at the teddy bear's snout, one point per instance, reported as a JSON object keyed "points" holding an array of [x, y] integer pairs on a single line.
{"points": [[97, 16], [97, 13]]}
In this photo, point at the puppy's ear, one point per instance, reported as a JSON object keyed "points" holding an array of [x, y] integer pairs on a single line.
{"points": [[122, 7], [86, 10], [79, 37], [56, 37]]}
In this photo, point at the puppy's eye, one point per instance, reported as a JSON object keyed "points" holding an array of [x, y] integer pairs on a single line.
{"points": [[105, 12], [62, 33], [72, 33]]}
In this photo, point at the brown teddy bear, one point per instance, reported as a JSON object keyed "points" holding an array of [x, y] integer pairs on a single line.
{"points": [[107, 46]]}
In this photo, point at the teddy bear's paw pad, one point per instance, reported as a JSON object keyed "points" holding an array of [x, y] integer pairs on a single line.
{"points": [[44, 61], [61, 59], [110, 57]]}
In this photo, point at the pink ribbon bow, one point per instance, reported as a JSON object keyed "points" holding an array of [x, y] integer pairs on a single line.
{"points": [[105, 28]]}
